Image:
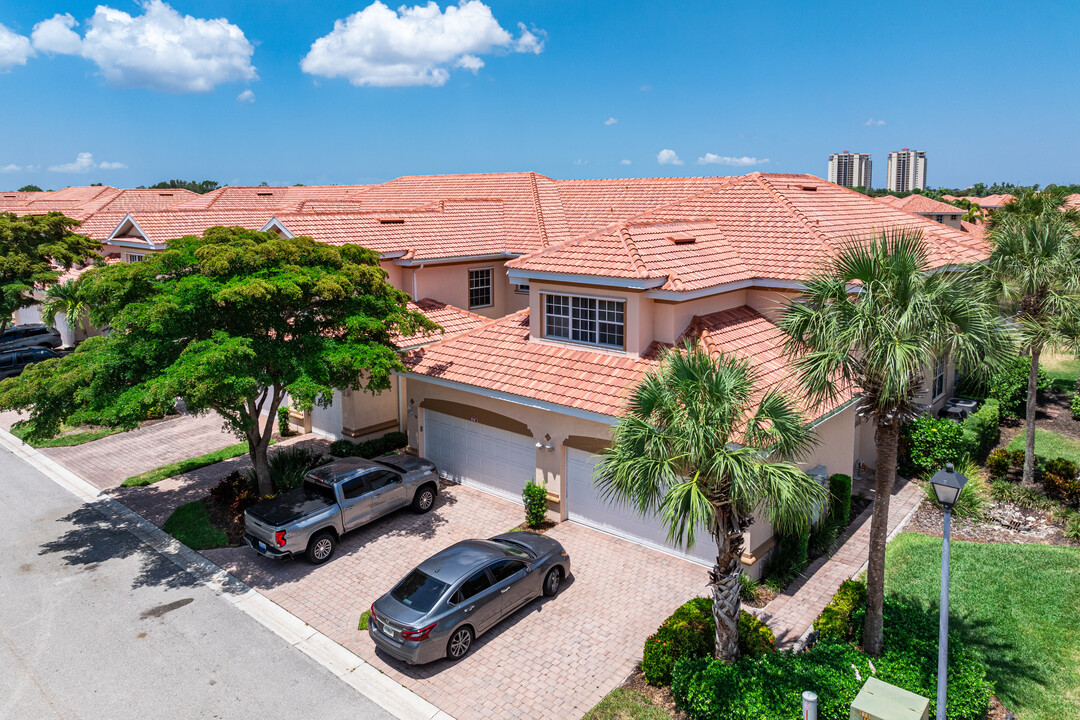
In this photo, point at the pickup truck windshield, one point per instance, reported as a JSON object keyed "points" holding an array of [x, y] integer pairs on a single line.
{"points": [[419, 591], [319, 490]]}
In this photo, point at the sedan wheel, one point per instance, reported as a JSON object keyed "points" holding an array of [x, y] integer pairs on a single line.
{"points": [[552, 582], [459, 644]]}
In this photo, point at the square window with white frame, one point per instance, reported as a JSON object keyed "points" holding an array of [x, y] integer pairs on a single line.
{"points": [[480, 287], [588, 320], [135, 257]]}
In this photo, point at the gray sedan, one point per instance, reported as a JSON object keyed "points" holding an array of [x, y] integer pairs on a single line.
{"points": [[454, 596]]}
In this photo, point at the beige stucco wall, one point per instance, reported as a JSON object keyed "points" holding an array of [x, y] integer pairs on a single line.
{"points": [[670, 319], [449, 283]]}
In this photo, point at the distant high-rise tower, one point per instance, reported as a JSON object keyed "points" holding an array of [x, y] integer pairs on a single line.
{"points": [[850, 169], [907, 170]]}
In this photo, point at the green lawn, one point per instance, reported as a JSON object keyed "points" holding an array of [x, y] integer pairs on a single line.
{"points": [[190, 524], [1018, 606], [1049, 445], [1062, 369], [72, 438], [623, 704], [178, 468]]}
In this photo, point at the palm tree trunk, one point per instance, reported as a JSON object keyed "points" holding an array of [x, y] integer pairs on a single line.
{"points": [[724, 580], [887, 439], [1029, 421]]}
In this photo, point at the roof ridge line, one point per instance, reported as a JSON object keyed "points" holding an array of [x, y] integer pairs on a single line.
{"points": [[478, 328], [461, 310], [539, 210], [799, 215], [635, 255]]}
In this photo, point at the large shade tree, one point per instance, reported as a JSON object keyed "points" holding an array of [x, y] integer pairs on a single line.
{"points": [[229, 322], [877, 317], [33, 251], [1034, 272], [703, 448]]}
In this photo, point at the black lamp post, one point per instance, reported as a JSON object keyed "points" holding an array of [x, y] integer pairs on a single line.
{"points": [[947, 486]]}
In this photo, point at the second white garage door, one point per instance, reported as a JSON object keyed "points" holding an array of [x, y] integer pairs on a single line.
{"points": [[495, 460], [587, 507]]}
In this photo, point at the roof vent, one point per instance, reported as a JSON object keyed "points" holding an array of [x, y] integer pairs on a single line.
{"points": [[391, 221], [809, 188], [165, 194], [681, 239], [265, 194], [9, 197]]}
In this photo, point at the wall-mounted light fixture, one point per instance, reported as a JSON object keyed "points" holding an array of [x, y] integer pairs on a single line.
{"points": [[411, 411], [549, 448], [539, 444]]}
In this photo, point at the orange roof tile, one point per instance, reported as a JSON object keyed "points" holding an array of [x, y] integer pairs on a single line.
{"points": [[920, 205], [453, 321]]}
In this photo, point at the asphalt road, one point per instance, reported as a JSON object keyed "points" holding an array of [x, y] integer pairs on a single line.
{"points": [[95, 624]]}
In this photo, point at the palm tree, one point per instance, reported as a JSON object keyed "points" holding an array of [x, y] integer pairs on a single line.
{"points": [[703, 448], [974, 212], [64, 299], [877, 317], [1034, 272], [1031, 204]]}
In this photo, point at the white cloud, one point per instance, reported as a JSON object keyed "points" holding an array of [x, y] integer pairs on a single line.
{"points": [[470, 62], [668, 157], [10, 168], [711, 159], [56, 36], [411, 46], [611, 121], [247, 96], [874, 123], [624, 161], [579, 161], [84, 162], [158, 50], [15, 49]]}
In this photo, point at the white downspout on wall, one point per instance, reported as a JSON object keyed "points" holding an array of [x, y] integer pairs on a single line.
{"points": [[416, 269]]}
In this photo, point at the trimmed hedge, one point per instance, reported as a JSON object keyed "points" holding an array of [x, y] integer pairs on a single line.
{"points": [[927, 443], [982, 429], [840, 498], [1009, 386], [835, 619], [755, 637], [369, 448], [771, 686]]}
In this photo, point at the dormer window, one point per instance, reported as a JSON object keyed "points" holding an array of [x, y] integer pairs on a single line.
{"points": [[589, 320]]}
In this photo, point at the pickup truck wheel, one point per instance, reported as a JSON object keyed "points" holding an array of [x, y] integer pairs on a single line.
{"points": [[424, 499], [320, 548]]}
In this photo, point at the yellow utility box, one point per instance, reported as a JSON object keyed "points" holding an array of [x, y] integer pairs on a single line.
{"points": [[881, 701]]}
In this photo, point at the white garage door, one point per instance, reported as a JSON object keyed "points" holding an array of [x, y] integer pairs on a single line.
{"points": [[587, 507], [327, 421], [495, 460]]}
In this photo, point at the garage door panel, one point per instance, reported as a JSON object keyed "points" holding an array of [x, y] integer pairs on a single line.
{"points": [[586, 506], [483, 456]]}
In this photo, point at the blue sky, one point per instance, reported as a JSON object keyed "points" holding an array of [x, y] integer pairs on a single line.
{"points": [[577, 90]]}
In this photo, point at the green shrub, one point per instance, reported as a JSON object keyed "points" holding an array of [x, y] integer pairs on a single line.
{"points": [[535, 497], [689, 632], [770, 686], [840, 498], [369, 448], [1060, 480], [1074, 405], [748, 587], [998, 463], [236, 490], [982, 429], [1009, 386], [755, 637], [1016, 459], [789, 557], [1072, 528], [823, 536], [928, 443], [835, 619], [1022, 495], [284, 428], [288, 466]]}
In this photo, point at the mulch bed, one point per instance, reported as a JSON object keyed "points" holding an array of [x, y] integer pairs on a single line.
{"points": [[1007, 523], [226, 519], [542, 528]]}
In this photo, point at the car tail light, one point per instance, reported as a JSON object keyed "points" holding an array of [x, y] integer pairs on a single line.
{"points": [[279, 538], [372, 617], [421, 634]]}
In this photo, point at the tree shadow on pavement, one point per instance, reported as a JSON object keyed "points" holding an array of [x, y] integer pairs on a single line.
{"points": [[96, 536]]}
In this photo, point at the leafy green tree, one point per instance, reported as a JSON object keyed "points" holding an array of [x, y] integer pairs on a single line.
{"points": [[876, 318], [201, 187], [33, 250], [29, 188], [703, 448], [228, 322], [973, 213], [1034, 272]]}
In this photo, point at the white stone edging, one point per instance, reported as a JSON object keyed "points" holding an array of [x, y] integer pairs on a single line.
{"points": [[343, 663]]}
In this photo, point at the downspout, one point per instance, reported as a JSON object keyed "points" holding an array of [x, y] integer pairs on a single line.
{"points": [[416, 269]]}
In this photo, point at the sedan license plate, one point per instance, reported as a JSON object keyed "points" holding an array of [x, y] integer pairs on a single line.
{"points": [[387, 629]]}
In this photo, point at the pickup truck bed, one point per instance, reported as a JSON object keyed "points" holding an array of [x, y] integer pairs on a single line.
{"points": [[289, 507]]}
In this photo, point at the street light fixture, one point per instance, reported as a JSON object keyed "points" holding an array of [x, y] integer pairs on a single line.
{"points": [[947, 486]]}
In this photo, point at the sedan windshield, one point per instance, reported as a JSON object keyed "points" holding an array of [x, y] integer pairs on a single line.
{"points": [[419, 591], [515, 548]]}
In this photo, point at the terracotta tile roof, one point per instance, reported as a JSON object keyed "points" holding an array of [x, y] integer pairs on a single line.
{"points": [[453, 321], [780, 227], [1073, 201], [449, 228], [747, 334], [270, 198], [974, 229], [499, 356], [166, 225], [990, 202], [920, 205]]}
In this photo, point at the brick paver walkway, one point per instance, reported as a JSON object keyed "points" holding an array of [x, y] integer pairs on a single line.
{"points": [[789, 615]]}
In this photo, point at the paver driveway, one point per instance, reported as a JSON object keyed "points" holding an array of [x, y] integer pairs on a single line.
{"points": [[554, 658]]}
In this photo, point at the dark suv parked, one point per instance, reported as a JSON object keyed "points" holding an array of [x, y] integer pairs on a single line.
{"points": [[24, 336], [13, 362]]}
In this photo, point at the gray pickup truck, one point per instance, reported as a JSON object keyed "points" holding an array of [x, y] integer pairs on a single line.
{"points": [[336, 498]]}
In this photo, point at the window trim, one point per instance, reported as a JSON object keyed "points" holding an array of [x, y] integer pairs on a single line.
{"points": [[129, 256], [943, 363], [583, 343], [518, 288], [491, 286]]}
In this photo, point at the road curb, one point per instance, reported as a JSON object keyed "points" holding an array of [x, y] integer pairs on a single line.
{"points": [[342, 662]]}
